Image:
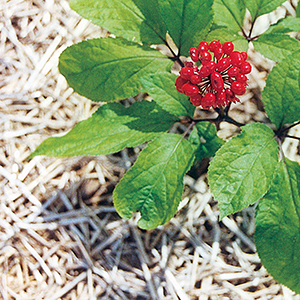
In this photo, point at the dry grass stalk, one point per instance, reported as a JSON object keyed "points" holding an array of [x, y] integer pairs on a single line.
{"points": [[60, 237]]}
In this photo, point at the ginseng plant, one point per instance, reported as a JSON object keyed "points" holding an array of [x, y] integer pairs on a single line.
{"points": [[208, 42]]}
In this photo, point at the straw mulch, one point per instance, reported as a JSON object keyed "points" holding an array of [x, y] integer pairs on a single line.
{"points": [[60, 237]]}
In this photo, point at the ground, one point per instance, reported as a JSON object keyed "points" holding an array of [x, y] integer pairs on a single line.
{"points": [[60, 237]]}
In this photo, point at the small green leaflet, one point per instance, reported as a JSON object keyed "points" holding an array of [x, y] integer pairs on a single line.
{"points": [[161, 86], [149, 21], [110, 129], [298, 11], [154, 184], [204, 137], [108, 69], [229, 13], [261, 7], [281, 95], [242, 169], [277, 235], [288, 24], [276, 46]]}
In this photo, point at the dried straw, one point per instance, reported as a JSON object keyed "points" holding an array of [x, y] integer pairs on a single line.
{"points": [[60, 237]]}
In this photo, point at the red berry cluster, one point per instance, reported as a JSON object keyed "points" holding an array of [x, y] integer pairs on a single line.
{"points": [[218, 79]]}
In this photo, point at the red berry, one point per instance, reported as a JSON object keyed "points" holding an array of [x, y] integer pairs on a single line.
{"points": [[190, 89], [195, 68], [236, 99], [220, 98], [196, 100], [233, 71], [207, 69], [196, 79], [205, 57], [217, 81], [218, 53], [203, 46], [245, 68], [208, 100], [223, 64], [229, 95], [189, 64], [228, 47], [186, 72], [236, 58], [241, 78], [194, 54], [238, 88], [244, 55], [179, 83], [213, 45]]}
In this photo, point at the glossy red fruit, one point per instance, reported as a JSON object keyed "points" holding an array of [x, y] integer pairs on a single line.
{"points": [[207, 69], [190, 90], [220, 98], [196, 100], [238, 88], [213, 45], [245, 68], [244, 55], [218, 53], [195, 68], [208, 100], [205, 56], [203, 46], [194, 54], [228, 47], [179, 83], [241, 78], [233, 71], [186, 72], [196, 79], [189, 64], [229, 95], [236, 58], [217, 81], [223, 64]]}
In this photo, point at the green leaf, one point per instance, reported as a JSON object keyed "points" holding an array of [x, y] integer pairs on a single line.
{"points": [[138, 20], [261, 7], [285, 25], [107, 69], [149, 21], [154, 184], [298, 10], [161, 86], [281, 95], [242, 169], [187, 21], [110, 129], [229, 13], [204, 137], [276, 46], [224, 35], [277, 233]]}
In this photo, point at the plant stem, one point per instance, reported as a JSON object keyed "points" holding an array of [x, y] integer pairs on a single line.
{"points": [[188, 129], [289, 127], [292, 137], [279, 141], [232, 121], [251, 29], [222, 116]]}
